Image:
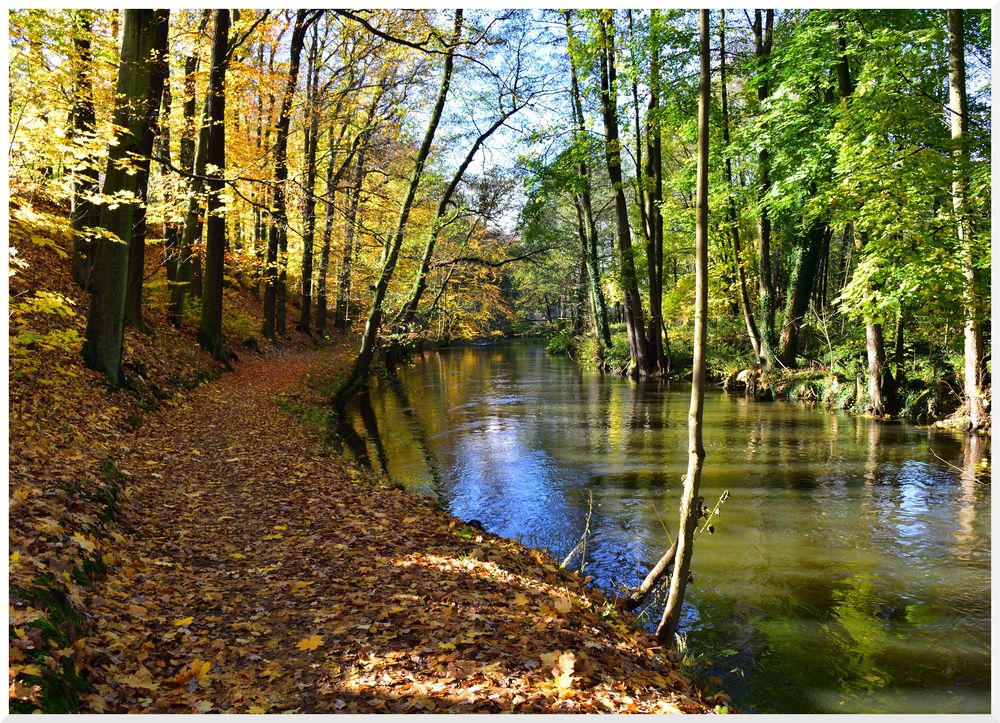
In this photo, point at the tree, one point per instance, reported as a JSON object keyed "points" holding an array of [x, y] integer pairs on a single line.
{"points": [[160, 71], [362, 365], [193, 148], [690, 505], [582, 201], [210, 331], [763, 38], [631, 301], [732, 216], [144, 31], [277, 243], [85, 214], [959, 118], [310, 146]]}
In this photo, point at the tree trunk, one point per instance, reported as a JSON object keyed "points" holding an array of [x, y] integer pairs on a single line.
{"points": [[690, 503], [102, 347], [585, 209], [159, 73], [808, 253], [362, 365], [191, 140], [342, 310], [277, 244], [324, 259], [85, 214], [734, 225], [311, 141], [409, 311], [653, 197], [768, 302], [210, 333], [171, 230], [974, 352], [631, 301]]}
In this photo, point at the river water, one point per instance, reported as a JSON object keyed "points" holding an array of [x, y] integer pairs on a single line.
{"points": [[849, 570]]}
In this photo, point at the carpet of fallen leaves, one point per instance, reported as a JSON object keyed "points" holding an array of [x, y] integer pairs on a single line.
{"points": [[249, 567], [261, 572]]}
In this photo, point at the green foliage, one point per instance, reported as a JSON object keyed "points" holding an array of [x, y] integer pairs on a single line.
{"points": [[562, 343]]}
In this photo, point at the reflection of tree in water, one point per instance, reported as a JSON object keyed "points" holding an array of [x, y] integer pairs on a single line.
{"points": [[416, 427], [975, 464]]}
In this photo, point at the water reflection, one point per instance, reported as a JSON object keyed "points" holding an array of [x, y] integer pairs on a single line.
{"points": [[850, 571]]}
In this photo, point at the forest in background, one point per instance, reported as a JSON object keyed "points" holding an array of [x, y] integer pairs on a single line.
{"points": [[427, 175], [805, 194]]}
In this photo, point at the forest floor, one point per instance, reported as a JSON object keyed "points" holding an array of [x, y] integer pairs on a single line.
{"points": [[196, 545]]}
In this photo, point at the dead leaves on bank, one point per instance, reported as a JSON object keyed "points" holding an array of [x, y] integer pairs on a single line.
{"points": [[265, 575]]}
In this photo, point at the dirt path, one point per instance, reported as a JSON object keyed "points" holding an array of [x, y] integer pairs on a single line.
{"points": [[261, 572]]}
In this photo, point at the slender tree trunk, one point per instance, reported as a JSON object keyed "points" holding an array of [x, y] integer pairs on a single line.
{"points": [[210, 333], [631, 301], [192, 139], [342, 309], [277, 245], [974, 351], [362, 365], [653, 197], [763, 39], [324, 259], [137, 242], [734, 225], [409, 312], [85, 214], [312, 139], [102, 347], [690, 504], [171, 229], [585, 209]]}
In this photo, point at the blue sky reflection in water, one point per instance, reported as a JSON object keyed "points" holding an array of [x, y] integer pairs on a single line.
{"points": [[850, 570]]}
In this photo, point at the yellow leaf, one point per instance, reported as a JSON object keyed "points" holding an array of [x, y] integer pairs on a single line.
{"points": [[30, 670], [203, 706], [238, 556], [300, 584], [83, 542], [15, 556], [310, 643], [257, 709], [520, 599], [182, 622], [563, 605]]}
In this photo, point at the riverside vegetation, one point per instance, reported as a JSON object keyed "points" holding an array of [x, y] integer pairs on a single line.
{"points": [[207, 204]]}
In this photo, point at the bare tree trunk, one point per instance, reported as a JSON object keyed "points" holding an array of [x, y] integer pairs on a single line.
{"points": [[585, 209], [137, 242], [734, 225], [362, 365], [311, 142], [210, 333], [342, 309], [653, 197], [763, 40], [192, 160], [102, 347], [277, 244], [690, 504], [631, 301], [85, 214], [974, 352]]}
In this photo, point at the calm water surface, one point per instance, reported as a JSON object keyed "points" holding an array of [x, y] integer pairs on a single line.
{"points": [[850, 568]]}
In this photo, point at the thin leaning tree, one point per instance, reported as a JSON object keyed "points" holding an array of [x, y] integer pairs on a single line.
{"points": [[690, 507]]}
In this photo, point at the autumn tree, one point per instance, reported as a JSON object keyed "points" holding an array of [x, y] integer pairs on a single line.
{"points": [[362, 365], [144, 40]]}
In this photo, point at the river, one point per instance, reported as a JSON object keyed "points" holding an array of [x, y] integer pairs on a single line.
{"points": [[849, 570]]}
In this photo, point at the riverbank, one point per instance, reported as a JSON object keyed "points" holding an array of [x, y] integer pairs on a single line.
{"points": [[927, 397], [194, 545]]}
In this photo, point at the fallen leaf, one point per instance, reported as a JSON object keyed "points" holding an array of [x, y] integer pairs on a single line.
{"points": [[310, 643]]}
